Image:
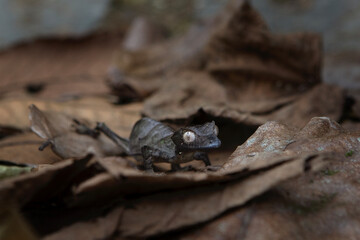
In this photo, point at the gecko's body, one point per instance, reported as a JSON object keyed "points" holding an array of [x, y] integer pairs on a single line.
{"points": [[152, 141]]}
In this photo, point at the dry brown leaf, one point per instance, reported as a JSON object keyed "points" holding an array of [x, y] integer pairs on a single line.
{"points": [[351, 125], [192, 93], [182, 98], [141, 34], [124, 179], [320, 135], [13, 225], [8, 131], [236, 44], [41, 185], [321, 205], [324, 135], [241, 44], [58, 69], [184, 95], [23, 148], [322, 100], [163, 212], [98, 229]]}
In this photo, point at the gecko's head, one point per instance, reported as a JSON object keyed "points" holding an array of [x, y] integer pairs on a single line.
{"points": [[200, 137]]}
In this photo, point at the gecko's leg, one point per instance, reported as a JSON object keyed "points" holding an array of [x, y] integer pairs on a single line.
{"points": [[148, 164], [122, 142], [148, 160], [83, 129], [203, 157]]}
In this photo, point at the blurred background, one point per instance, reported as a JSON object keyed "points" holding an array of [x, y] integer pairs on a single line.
{"points": [[338, 22]]}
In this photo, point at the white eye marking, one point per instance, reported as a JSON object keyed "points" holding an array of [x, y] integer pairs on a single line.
{"points": [[189, 137], [216, 130]]}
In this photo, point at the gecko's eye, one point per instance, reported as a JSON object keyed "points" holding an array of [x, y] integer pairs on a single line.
{"points": [[189, 137], [216, 130]]}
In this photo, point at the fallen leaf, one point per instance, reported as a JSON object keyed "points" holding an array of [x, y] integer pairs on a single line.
{"points": [[237, 44], [320, 135], [162, 212], [8, 131], [24, 148], [141, 34], [192, 94], [13, 225], [41, 185], [310, 206], [58, 69], [324, 135], [97, 229]]}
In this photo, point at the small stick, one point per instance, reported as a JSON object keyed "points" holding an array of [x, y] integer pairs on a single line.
{"points": [[44, 145]]}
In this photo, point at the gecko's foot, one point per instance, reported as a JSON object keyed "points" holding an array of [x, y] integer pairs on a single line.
{"points": [[83, 129]]}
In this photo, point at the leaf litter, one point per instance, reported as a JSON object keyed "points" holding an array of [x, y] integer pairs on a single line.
{"points": [[235, 71]]}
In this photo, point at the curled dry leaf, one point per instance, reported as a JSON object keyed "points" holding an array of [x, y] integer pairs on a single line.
{"points": [[236, 45], [197, 92], [240, 44], [234, 68], [184, 95]]}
